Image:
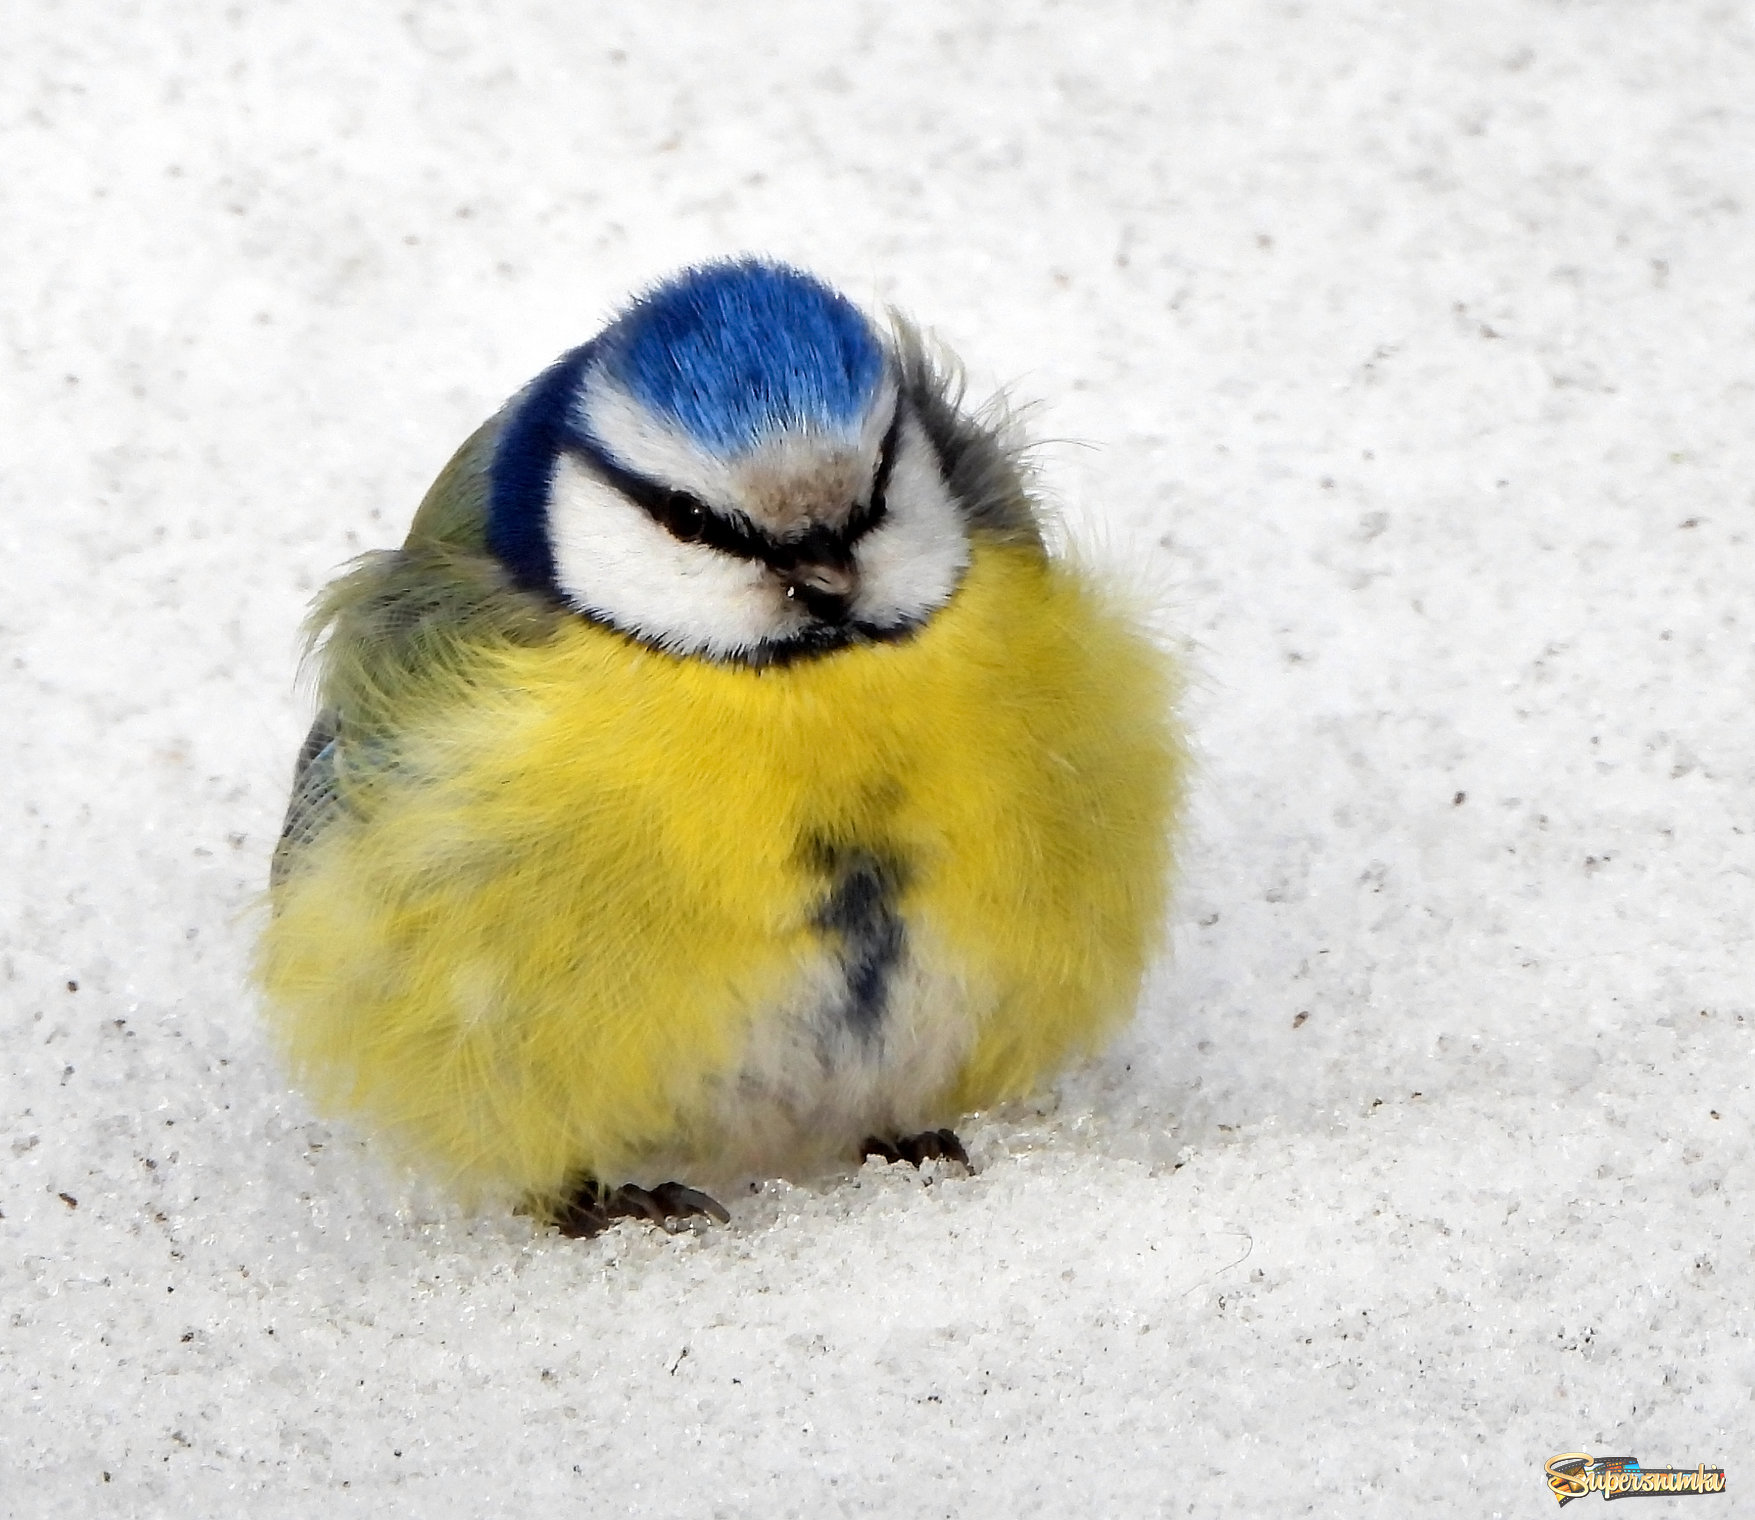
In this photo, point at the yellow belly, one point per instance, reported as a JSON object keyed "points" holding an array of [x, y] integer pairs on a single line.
{"points": [[580, 926]]}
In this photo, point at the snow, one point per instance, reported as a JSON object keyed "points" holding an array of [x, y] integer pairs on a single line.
{"points": [[1405, 352]]}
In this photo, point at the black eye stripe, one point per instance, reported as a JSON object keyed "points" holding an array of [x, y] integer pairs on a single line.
{"points": [[691, 521], [862, 519], [684, 516], [880, 481]]}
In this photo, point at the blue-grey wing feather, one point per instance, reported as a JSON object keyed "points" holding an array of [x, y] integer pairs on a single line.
{"points": [[316, 798]]}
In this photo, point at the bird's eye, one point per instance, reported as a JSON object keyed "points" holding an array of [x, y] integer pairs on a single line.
{"points": [[684, 516]]}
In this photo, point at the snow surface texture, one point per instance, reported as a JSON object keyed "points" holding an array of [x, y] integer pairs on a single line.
{"points": [[1416, 350]]}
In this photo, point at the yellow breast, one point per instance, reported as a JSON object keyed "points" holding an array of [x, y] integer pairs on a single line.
{"points": [[597, 877]]}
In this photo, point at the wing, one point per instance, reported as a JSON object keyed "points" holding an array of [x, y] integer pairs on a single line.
{"points": [[391, 630], [315, 798]]}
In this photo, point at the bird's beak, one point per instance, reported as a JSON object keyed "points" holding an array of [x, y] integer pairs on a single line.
{"points": [[823, 580], [823, 587]]}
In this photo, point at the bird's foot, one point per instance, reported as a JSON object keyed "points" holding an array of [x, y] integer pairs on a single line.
{"points": [[592, 1208], [929, 1145]]}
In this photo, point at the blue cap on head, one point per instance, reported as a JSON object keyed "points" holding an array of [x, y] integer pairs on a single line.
{"points": [[733, 351]]}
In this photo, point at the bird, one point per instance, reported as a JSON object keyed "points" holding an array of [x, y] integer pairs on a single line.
{"points": [[726, 779]]}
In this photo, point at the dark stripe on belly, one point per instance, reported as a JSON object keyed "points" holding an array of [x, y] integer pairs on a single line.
{"points": [[860, 910]]}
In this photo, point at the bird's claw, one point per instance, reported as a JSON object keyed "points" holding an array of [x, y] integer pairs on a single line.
{"points": [[592, 1208], [928, 1145], [673, 1200]]}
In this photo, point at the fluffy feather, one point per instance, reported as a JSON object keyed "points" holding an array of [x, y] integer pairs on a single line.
{"points": [[548, 937]]}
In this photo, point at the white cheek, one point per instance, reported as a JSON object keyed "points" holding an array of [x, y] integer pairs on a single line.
{"points": [[910, 565], [613, 562]]}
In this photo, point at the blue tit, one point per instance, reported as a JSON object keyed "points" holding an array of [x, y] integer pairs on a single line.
{"points": [[723, 780]]}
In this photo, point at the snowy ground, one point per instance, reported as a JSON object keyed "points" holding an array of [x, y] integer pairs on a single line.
{"points": [[1415, 350]]}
